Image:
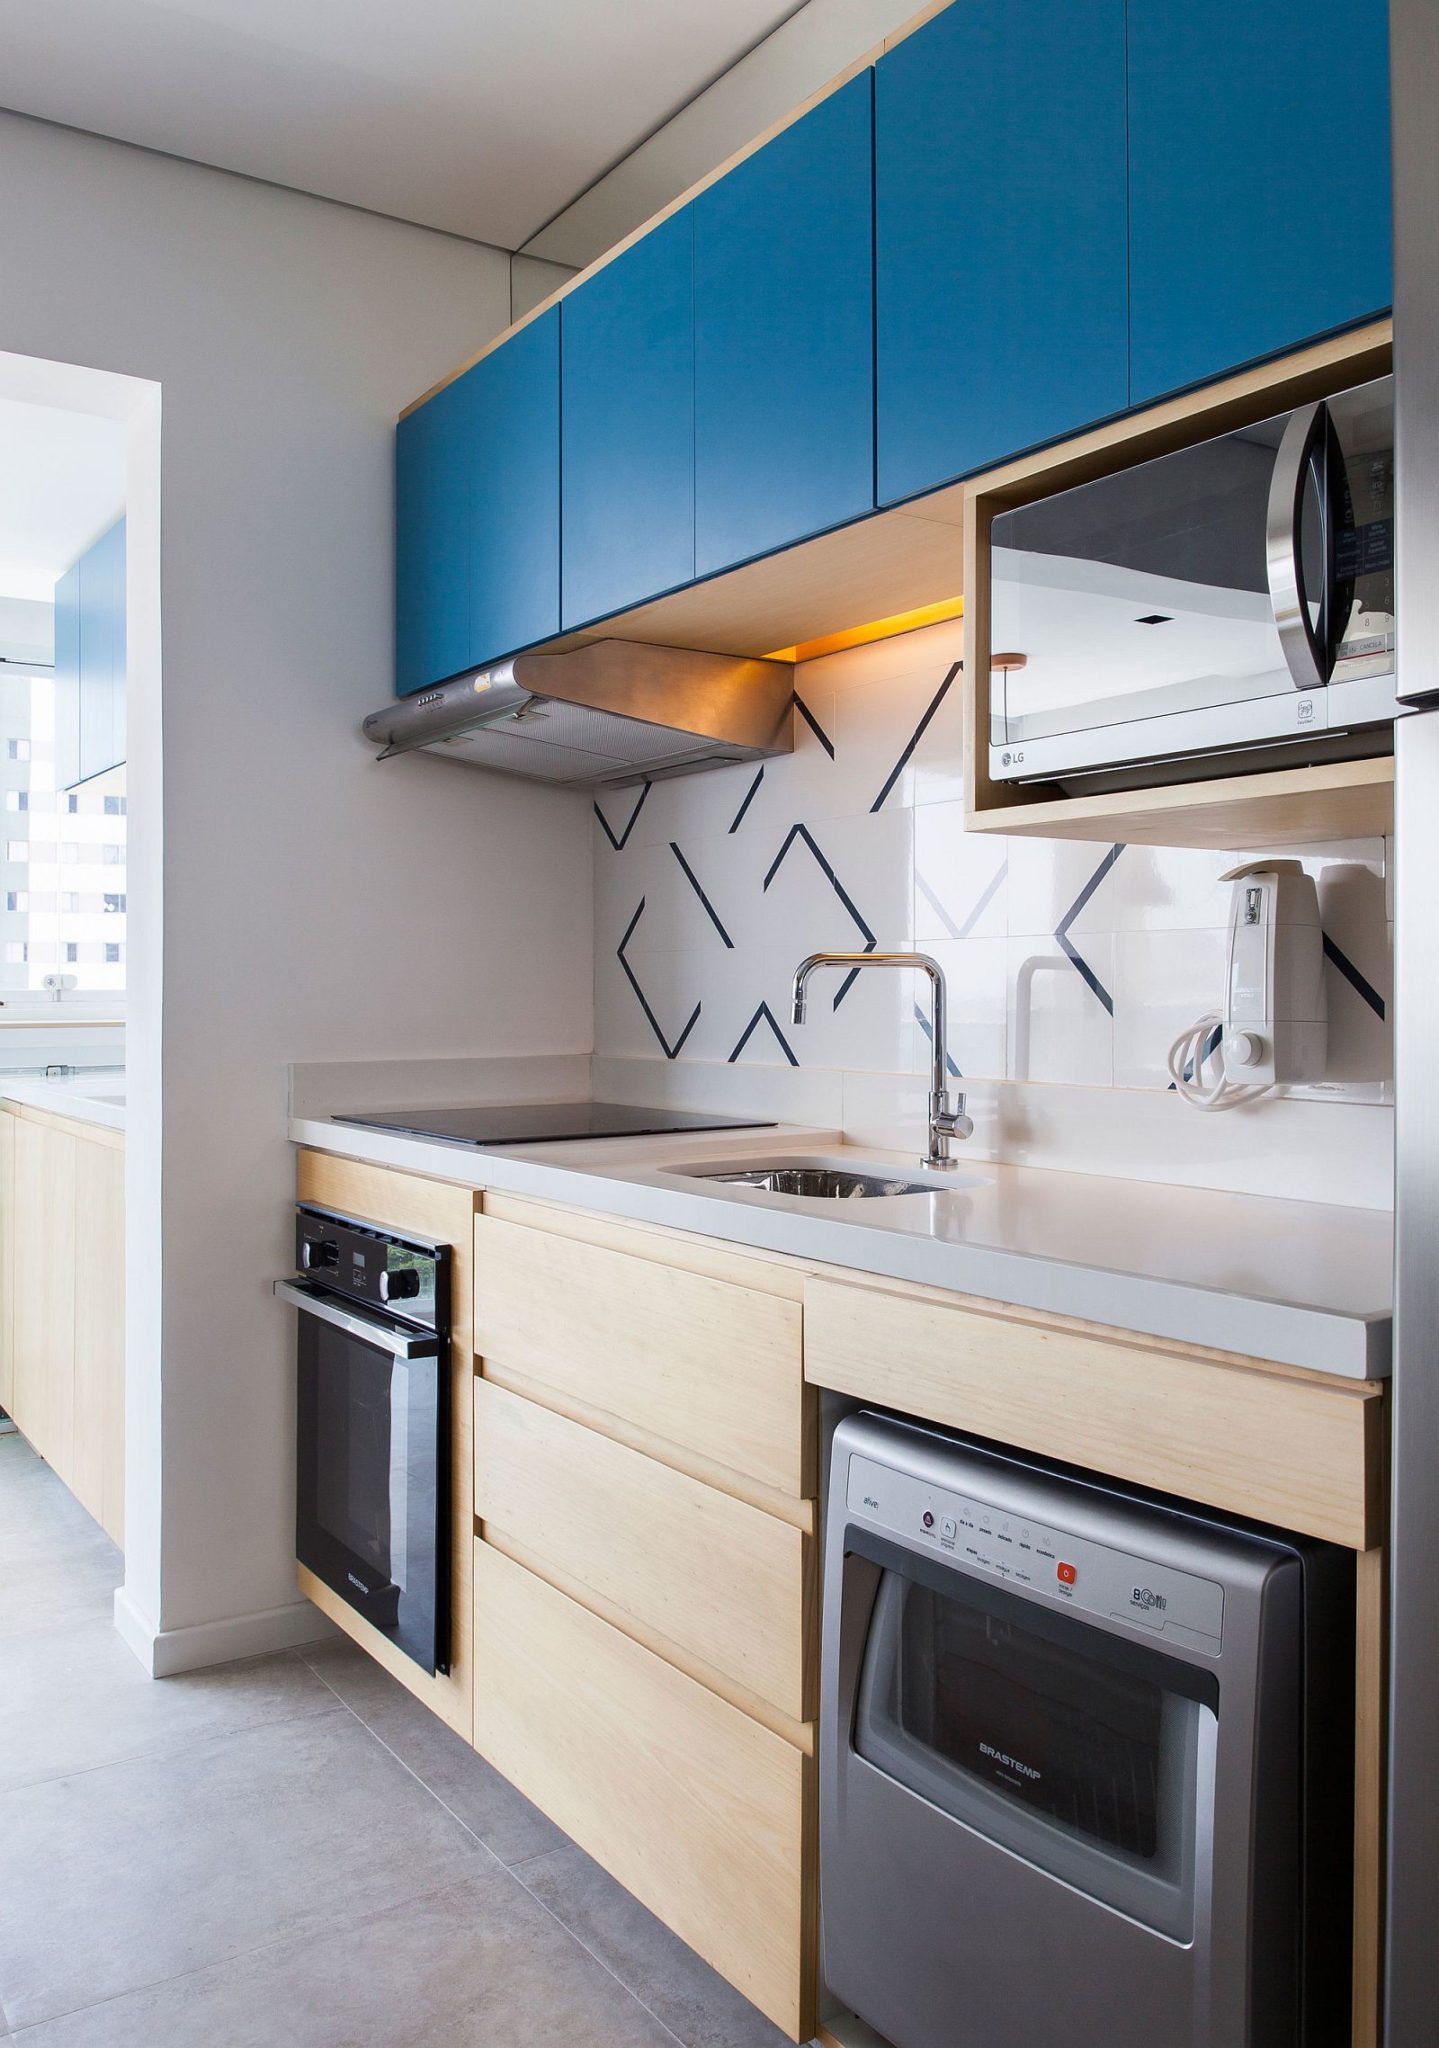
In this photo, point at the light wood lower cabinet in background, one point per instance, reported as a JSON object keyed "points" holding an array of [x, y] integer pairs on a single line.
{"points": [[62, 1306]]}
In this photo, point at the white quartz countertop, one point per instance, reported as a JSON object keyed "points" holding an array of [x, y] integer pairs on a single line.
{"points": [[97, 1098], [1301, 1283]]}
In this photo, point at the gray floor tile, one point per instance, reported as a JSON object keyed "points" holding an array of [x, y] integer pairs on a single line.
{"points": [[41, 1594], [132, 1873], [73, 1699], [692, 1999], [478, 1965], [503, 1818]]}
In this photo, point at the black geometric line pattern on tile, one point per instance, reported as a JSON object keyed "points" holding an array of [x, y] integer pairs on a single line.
{"points": [[763, 1015], [750, 794], [918, 734], [694, 881], [671, 1052], [987, 896], [925, 1026], [1067, 946], [618, 844], [1361, 986], [870, 940], [814, 725]]}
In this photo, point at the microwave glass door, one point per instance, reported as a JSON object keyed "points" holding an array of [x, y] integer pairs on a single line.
{"points": [[370, 1479], [1153, 593], [1076, 1751]]}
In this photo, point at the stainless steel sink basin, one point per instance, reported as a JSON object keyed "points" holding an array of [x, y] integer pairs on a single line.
{"points": [[818, 1183]]}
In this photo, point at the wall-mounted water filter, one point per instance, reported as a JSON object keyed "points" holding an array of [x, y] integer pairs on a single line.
{"points": [[1272, 1031]]}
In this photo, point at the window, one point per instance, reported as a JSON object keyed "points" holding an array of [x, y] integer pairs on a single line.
{"points": [[79, 927]]}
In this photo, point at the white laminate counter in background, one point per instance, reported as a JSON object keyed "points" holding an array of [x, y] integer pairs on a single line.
{"points": [[91, 1098], [1302, 1283]]}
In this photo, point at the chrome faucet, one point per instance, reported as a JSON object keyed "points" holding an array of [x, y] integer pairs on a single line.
{"points": [[944, 1123]]}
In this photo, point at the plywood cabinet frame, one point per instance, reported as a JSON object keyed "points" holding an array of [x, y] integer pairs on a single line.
{"points": [[1288, 806]]}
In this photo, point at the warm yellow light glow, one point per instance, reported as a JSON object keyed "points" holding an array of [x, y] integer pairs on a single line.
{"points": [[877, 629]]}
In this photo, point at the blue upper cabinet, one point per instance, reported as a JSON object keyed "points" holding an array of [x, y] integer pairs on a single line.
{"points": [[432, 542], [67, 678], [628, 383], [90, 662], [102, 654], [477, 512], [784, 380], [512, 432], [1259, 189], [1000, 258]]}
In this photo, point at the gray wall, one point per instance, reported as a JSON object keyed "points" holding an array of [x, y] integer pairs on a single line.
{"points": [[315, 906]]}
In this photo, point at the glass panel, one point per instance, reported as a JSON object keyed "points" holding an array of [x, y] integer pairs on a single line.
{"points": [[1048, 1725]]}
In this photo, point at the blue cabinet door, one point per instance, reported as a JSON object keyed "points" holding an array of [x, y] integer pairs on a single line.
{"points": [[432, 542], [102, 653], [512, 432], [627, 354], [784, 380], [1259, 181], [477, 513], [67, 678], [1000, 256]]}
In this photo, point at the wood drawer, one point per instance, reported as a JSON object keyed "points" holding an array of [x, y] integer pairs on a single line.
{"points": [[1283, 1446], [722, 1581], [703, 1814], [710, 1366]]}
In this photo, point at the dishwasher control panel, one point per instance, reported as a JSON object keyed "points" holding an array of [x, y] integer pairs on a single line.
{"points": [[1071, 1571]]}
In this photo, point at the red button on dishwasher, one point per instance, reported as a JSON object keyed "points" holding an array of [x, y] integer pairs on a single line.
{"points": [[1068, 1574]]}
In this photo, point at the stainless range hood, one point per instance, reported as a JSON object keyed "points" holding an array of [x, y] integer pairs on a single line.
{"points": [[608, 711]]}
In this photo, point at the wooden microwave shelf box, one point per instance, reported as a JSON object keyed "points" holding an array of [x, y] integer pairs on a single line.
{"points": [[1287, 806]]}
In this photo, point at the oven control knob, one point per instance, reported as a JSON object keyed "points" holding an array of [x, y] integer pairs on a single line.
{"points": [[318, 1252], [401, 1285]]}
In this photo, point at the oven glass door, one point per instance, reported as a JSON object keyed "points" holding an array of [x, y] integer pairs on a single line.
{"points": [[372, 1465], [1160, 592], [1081, 1752]]}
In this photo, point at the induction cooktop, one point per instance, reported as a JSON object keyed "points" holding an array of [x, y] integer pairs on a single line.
{"points": [[536, 1123]]}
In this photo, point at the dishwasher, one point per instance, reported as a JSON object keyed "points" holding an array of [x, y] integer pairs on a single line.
{"points": [[1086, 1769]]}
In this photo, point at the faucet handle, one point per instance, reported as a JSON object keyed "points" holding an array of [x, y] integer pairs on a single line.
{"points": [[955, 1123]]}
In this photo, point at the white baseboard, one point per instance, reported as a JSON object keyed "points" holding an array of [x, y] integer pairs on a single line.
{"points": [[166, 1651]]}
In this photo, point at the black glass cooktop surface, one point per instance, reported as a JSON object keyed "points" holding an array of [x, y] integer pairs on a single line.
{"points": [[536, 1123]]}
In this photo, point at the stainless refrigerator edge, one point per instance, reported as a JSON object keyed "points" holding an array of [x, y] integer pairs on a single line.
{"points": [[1412, 1975]]}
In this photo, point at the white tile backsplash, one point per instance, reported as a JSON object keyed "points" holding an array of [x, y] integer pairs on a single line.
{"points": [[1071, 966]]}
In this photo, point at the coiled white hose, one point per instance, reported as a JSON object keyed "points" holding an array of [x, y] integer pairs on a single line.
{"points": [[1192, 1052]]}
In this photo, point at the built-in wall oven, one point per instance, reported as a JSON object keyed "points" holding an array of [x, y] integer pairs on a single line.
{"points": [[1086, 1760], [372, 1424], [1235, 597]]}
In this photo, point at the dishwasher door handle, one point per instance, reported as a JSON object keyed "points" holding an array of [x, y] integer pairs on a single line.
{"points": [[396, 1338]]}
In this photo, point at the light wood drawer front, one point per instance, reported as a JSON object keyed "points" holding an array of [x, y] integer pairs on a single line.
{"points": [[706, 1365], [1298, 1452], [699, 1811], [721, 1580]]}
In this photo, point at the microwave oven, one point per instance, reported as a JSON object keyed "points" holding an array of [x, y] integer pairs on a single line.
{"points": [[1229, 605]]}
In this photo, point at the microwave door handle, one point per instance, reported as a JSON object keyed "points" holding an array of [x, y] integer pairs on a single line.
{"points": [[400, 1343], [1303, 441]]}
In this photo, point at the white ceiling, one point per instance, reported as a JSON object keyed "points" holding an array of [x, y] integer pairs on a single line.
{"points": [[484, 117], [62, 482]]}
